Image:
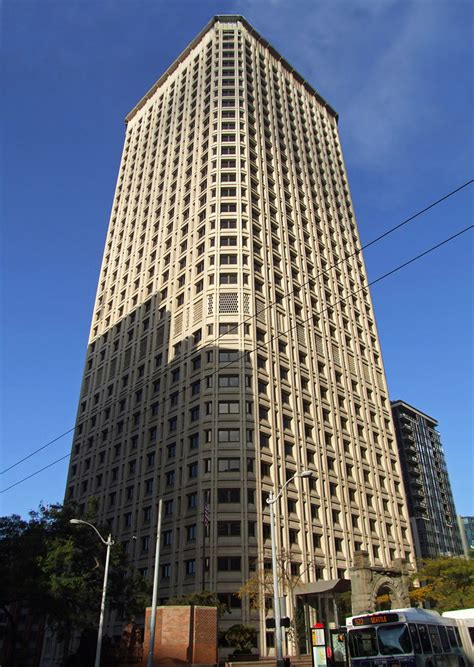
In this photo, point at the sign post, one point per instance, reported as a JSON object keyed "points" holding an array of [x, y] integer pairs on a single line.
{"points": [[318, 645]]}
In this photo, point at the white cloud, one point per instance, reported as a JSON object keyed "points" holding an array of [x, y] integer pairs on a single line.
{"points": [[366, 57], [386, 109]]}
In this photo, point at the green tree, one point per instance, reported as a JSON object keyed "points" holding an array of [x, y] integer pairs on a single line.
{"points": [[259, 588], [447, 583], [241, 637], [200, 599], [56, 569]]}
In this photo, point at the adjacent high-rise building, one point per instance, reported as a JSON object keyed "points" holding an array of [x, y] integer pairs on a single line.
{"points": [[430, 500], [466, 528], [233, 340]]}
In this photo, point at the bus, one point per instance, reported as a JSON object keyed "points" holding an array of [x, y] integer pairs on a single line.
{"points": [[405, 637], [465, 622]]}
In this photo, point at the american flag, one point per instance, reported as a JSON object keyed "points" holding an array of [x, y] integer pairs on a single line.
{"points": [[205, 514]]}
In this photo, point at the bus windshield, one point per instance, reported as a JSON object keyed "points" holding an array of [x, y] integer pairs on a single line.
{"points": [[385, 640], [363, 643], [394, 639]]}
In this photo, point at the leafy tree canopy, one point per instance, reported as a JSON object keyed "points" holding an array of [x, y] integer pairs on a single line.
{"points": [[199, 599], [242, 638], [57, 569], [447, 583]]}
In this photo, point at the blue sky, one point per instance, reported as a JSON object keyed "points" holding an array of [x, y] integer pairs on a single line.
{"points": [[400, 76]]}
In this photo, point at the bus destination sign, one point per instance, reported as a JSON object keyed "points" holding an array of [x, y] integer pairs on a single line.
{"points": [[375, 619]]}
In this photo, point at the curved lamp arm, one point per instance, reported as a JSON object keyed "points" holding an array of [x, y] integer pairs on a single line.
{"points": [[107, 542], [304, 473]]}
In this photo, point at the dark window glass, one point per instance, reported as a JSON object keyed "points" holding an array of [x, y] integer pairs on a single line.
{"points": [[414, 637], [394, 640], [424, 638]]}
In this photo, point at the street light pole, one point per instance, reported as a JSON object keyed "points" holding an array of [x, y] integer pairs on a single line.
{"points": [[271, 500], [276, 595], [108, 543], [151, 647]]}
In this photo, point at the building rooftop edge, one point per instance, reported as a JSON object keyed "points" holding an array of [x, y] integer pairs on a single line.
{"points": [[399, 403], [227, 18]]}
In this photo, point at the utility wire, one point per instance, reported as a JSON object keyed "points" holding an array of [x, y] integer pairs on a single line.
{"points": [[25, 458], [37, 472], [358, 251], [289, 293], [246, 352], [416, 215], [247, 319], [343, 299]]}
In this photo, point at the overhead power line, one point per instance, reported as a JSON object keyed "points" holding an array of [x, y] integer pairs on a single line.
{"points": [[37, 472], [28, 456], [372, 282], [287, 294], [356, 291]]}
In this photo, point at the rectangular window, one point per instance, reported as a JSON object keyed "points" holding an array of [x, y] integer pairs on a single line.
{"points": [[191, 532], [227, 259], [229, 407], [173, 424], [228, 356], [228, 435], [228, 279], [226, 381], [228, 224], [228, 192], [229, 465], [229, 564], [230, 600], [174, 399], [228, 328], [228, 528], [190, 567], [228, 495], [150, 459]]}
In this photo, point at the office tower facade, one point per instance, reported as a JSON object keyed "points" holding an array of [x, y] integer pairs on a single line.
{"points": [[233, 341], [430, 501], [466, 528], [468, 524]]}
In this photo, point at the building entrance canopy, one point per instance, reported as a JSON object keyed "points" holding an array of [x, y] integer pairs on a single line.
{"points": [[323, 587]]}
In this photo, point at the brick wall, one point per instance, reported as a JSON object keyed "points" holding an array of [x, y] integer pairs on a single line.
{"points": [[184, 636]]}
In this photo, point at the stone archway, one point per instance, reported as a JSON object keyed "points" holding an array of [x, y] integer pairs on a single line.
{"points": [[383, 598], [387, 593], [369, 582]]}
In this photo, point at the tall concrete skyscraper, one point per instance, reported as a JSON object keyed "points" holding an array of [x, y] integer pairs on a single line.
{"points": [[233, 340], [431, 508]]}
